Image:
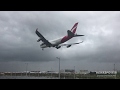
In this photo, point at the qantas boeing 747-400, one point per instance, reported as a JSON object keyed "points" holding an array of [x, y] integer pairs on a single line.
{"points": [[58, 42]]}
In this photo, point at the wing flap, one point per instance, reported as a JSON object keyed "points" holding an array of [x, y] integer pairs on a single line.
{"points": [[70, 44]]}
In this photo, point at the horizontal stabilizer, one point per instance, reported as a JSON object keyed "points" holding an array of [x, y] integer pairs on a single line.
{"points": [[78, 35]]}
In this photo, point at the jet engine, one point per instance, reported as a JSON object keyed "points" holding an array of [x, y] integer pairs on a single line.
{"points": [[68, 46], [38, 39], [58, 47]]}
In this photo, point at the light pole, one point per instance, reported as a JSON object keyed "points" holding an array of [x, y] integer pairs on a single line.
{"points": [[114, 71], [59, 66], [74, 72], [26, 68], [51, 72], [114, 67]]}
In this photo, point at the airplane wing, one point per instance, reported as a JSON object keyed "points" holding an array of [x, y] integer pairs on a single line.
{"points": [[42, 38], [69, 45]]}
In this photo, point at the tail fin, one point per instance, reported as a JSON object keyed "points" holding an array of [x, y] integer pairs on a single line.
{"points": [[73, 30]]}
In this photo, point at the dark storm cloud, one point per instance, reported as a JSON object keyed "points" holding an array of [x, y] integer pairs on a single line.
{"points": [[101, 41], [18, 42]]}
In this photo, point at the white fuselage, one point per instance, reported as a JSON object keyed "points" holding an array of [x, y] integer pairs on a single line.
{"points": [[53, 42]]}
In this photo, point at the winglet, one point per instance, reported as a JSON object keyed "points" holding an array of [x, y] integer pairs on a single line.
{"points": [[36, 29]]}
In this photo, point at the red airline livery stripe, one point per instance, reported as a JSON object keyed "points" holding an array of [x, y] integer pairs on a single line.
{"points": [[65, 38], [74, 28]]}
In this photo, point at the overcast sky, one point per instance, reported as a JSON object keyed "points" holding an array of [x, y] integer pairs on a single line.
{"points": [[99, 51]]}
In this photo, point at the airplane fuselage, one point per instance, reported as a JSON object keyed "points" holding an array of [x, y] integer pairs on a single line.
{"points": [[57, 41]]}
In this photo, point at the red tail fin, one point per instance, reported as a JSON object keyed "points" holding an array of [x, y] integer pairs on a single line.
{"points": [[74, 27]]}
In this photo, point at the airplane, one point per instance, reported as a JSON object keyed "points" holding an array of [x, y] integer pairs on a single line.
{"points": [[58, 42]]}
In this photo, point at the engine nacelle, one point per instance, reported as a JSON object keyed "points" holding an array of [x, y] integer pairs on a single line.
{"points": [[68, 46], [58, 47], [38, 39]]}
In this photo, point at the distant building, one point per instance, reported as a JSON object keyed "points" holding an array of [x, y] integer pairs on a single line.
{"points": [[1, 73], [43, 71], [62, 71], [34, 72], [54, 72], [69, 71], [84, 72]]}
